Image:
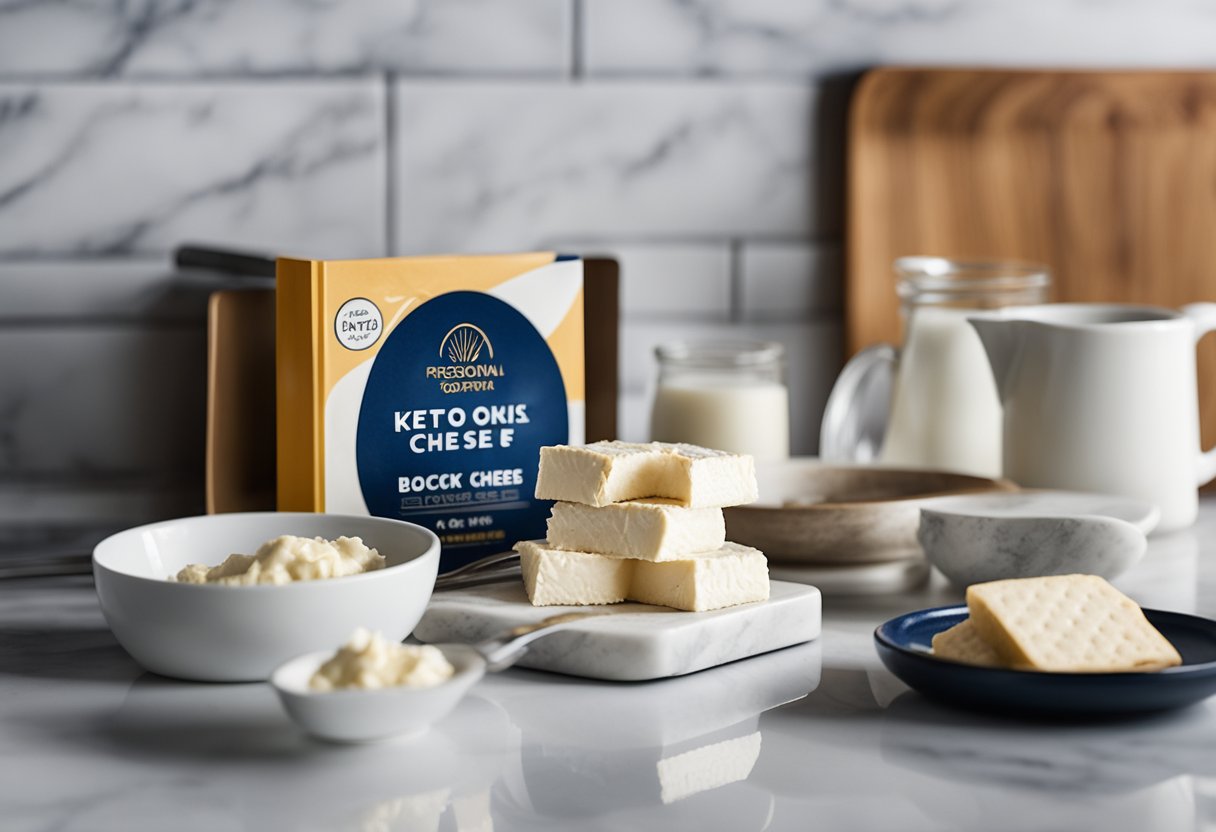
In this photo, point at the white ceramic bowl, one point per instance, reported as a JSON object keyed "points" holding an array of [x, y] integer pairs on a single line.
{"points": [[370, 715], [242, 633]]}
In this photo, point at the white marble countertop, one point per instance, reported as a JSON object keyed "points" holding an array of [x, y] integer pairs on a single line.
{"points": [[90, 742]]}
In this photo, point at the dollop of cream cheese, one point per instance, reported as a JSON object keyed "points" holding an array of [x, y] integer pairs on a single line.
{"points": [[287, 559], [369, 661]]}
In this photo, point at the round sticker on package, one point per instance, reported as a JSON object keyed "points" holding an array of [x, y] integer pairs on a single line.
{"points": [[358, 323], [458, 403]]}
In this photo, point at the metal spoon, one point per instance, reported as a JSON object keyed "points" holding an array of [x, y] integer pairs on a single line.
{"points": [[501, 566]]}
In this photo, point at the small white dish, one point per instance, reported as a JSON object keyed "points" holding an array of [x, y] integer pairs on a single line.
{"points": [[355, 716], [241, 633], [385, 713], [988, 537]]}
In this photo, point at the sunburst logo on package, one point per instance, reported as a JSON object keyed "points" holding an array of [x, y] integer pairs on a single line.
{"points": [[422, 388]]}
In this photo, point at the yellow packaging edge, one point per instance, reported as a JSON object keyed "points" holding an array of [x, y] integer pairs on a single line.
{"points": [[301, 478]]}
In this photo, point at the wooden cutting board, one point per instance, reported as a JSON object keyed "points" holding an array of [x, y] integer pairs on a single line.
{"points": [[1107, 177]]}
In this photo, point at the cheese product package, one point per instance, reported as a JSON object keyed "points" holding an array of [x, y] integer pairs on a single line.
{"points": [[1067, 623], [725, 577], [655, 529], [603, 473], [423, 388]]}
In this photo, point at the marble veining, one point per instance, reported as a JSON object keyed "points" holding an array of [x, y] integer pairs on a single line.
{"points": [[93, 743], [191, 38], [79, 174], [988, 537], [702, 138], [619, 160], [629, 641], [971, 550], [779, 37]]}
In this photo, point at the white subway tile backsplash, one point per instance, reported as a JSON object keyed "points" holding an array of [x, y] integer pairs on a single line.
{"points": [[814, 354], [277, 37], [703, 146], [484, 166], [785, 37], [633, 416], [102, 400], [790, 281], [92, 504], [138, 168], [124, 289], [668, 280]]}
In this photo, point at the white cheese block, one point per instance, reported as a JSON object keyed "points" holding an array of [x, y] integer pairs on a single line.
{"points": [[731, 575], [656, 529], [708, 767], [557, 577], [612, 472]]}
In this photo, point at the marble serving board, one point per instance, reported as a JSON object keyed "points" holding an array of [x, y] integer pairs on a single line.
{"points": [[630, 642]]}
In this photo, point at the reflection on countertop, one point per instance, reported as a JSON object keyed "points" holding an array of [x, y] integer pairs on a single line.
{"points": [[819, 732]]}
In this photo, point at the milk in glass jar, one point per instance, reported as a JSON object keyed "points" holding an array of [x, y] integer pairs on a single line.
{"points": [[725, 395], [945, 412]]}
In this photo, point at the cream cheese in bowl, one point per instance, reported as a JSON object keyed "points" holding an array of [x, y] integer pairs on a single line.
{"points": [[288, 558], [232, 631], [369, 660]]}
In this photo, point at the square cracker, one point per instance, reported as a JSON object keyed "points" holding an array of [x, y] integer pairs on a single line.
{"points": [[1067, 623], [962, 643]]}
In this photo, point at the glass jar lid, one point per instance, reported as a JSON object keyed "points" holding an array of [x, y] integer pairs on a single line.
{"points": [[926, 280], [720, 355]]}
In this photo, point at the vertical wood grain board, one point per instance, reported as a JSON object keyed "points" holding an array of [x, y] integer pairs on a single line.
{"points": [[1108, 177]]}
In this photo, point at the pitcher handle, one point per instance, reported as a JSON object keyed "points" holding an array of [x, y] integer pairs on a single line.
{"points": [[1203, 316], [855, 416]]}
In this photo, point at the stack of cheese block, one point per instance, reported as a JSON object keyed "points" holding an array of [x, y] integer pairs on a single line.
{"points": [[1063, 623], [642, 522]]}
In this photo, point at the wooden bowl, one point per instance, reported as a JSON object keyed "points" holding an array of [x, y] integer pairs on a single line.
{"points": [[813, 512]]}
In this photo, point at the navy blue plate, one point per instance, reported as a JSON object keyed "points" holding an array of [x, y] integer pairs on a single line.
{"points": [[904, 642]]}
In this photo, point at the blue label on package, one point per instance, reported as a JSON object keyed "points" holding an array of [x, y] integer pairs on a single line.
{"points": [[459, 401]]}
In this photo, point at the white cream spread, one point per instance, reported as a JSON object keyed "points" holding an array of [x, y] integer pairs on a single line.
{"points": [[287, 559], [369, 660]]}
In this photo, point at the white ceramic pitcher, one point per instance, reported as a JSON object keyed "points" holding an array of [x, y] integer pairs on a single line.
{"points": [[1102, 397]]}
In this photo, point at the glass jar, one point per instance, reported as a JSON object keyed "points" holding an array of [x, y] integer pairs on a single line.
{"points": [[940, 408], [725, 395]]}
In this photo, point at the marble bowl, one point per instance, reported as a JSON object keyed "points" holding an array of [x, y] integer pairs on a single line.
{"points": [[812, 512], [242, 633], [989, 537]]}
